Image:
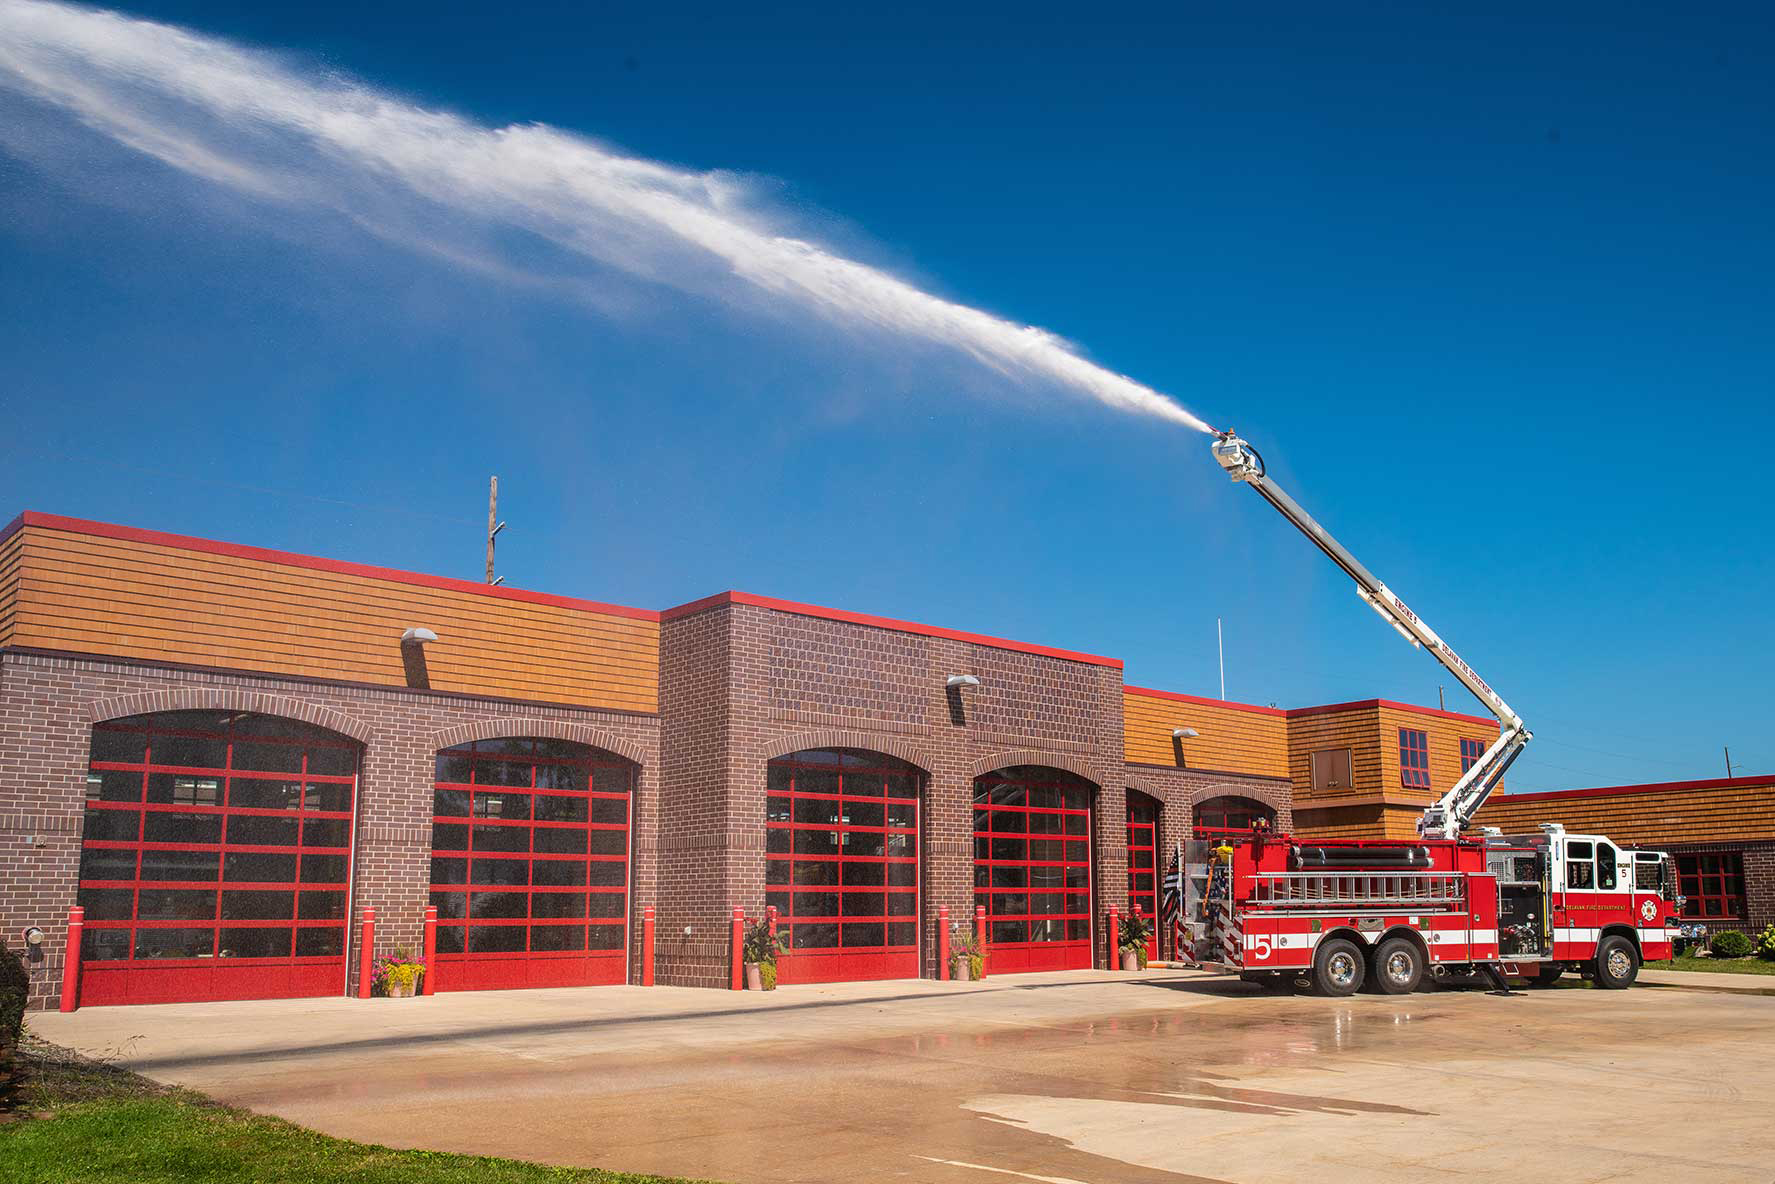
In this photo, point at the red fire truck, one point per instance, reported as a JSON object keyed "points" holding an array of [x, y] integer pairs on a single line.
{"points": [[1336, 914]]}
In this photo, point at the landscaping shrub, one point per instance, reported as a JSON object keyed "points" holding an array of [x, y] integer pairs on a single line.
{"points": [[1730, 944], [1766, 944], [15, 986]]}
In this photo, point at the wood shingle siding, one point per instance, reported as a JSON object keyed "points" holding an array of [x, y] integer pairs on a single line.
{"points": [[1649, 815], [70, 591], [1235, 737], [11, 559]]}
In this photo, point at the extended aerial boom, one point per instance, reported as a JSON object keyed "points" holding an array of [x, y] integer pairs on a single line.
{"points": [[1456, 808]]}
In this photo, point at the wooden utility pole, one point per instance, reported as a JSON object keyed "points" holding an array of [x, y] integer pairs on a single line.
{"points": [[494, 525]]}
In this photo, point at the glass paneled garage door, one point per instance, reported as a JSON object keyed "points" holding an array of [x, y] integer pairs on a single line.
{"points": [[1032, 868], [530, 864], [214, 858], [841, 831]]}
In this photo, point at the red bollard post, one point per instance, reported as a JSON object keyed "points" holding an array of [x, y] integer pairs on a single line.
{"points": [[980, 935], [71, 959], [770, 915], [943, 943], [366, 954], [1115, 937], [431, 950], [647, 946], [738, 951]]}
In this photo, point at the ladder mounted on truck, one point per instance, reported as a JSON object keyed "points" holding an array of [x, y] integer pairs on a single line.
{"points": [[1455, 809]]}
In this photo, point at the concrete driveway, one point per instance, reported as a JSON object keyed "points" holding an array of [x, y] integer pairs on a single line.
{"points": [[1085, 1076]]}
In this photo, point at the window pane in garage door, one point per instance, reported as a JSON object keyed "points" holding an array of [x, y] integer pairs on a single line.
{"points": [[201, 828], [530, 864], [1032, 867], [841, 864]]}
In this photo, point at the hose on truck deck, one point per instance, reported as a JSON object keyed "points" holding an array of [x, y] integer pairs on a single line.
{"points": [[1311, 858]]}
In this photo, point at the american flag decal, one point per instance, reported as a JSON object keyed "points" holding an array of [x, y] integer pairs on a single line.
{"points": [[1171, 898]]}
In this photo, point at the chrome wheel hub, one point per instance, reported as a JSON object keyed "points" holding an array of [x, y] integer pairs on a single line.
{"points": [[1342, 969], [1620, 964], [1399, 966]]}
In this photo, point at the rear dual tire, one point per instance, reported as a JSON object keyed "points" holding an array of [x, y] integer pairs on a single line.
{"points": [[1398, 967], [1339, 968]]}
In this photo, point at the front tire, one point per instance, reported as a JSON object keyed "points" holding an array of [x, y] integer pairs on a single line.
{"points": [[1339, 968], [1398, 967], [1617, 963]]}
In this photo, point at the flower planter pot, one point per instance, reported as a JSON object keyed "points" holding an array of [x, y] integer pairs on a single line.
{"points": [[1131, 960], [754, 980], [961, 972], [399, 991]]}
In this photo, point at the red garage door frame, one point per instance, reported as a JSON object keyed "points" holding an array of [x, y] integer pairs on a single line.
{"points": [[842, 864], [531, 864], [1033, 868], [1143, 864], [215, 858]]}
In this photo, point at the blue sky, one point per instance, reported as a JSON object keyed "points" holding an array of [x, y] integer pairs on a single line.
{"points": [[1490, 290]]}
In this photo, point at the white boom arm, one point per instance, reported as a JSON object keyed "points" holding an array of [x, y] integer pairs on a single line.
{"points": [[1456, 808]]}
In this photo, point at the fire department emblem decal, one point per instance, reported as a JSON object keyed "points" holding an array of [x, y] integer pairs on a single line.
{"points": [[1649, 910]]}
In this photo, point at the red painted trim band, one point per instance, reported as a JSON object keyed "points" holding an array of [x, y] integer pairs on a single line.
{"points": [[314, 563], [1178, 696], [850, 618], [1396, 706], [1564, 795]]}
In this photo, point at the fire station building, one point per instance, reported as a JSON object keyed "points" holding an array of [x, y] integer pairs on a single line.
{"points": [[223, 755]]}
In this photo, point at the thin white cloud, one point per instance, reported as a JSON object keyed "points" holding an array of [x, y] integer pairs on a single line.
{"points": [[250, 122]]}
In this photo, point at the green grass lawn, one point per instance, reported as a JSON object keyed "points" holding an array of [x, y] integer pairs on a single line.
{"points": [[1751, 965], [80, 1121]]}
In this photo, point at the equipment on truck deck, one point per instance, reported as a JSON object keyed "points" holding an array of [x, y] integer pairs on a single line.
{"points": [[1456, 808]]}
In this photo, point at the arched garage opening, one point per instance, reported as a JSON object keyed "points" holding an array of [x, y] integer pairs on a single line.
{"points": [[1143, 861], [1032, 867], [530, 864], [215, 858], [1231, 813], [841, 864]]}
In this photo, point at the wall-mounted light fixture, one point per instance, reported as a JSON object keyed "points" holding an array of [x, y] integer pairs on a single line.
{"points": [[1178, 736], [958, 681], [33, 935], [413, 657]]}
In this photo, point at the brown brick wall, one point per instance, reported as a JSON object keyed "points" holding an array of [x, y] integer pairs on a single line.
{"points": [[47, 708], [742, 684]]}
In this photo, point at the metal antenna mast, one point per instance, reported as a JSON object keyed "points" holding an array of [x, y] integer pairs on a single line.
{"points": [[494, 526]]}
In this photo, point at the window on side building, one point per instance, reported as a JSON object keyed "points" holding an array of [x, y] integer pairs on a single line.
{"points": [[1331, 768], [1471, 751], [1414, 759], [1714, 885]]}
